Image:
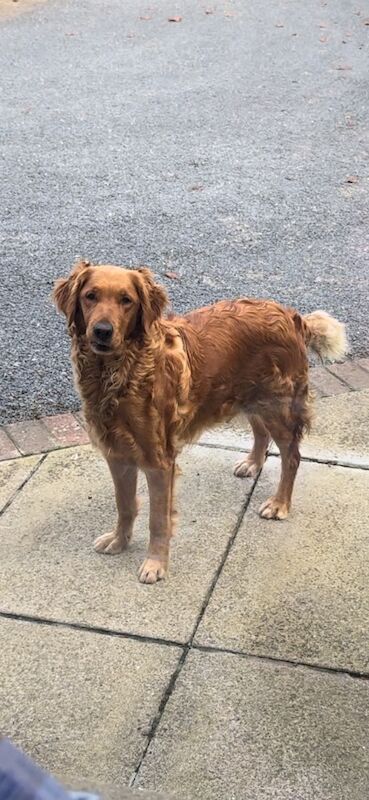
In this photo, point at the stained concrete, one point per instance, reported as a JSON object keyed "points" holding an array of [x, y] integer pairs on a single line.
{"points": [[298, 589], [80, 704], [48, 531], [242, 729]]}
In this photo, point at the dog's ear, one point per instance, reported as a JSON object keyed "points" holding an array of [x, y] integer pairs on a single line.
{"points": [[66, 293], [153, 298]]}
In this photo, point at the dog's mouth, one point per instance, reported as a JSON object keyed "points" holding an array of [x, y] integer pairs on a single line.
{"points": [[100, 348]]}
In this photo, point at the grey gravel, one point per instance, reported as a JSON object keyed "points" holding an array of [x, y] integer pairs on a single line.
{"points": [[218, 148]]}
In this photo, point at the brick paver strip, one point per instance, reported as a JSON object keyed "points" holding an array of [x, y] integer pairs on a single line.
{"points": [[31, 436], [326, 384], [7, 448], [65, 429], [354, 376]]}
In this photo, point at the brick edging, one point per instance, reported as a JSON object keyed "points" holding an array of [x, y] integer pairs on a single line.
{"points": [[35, 436], [334, 379]]}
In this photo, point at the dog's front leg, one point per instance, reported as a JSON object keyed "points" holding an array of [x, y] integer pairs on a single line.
{"points": [[161, 491], [125, 484]]}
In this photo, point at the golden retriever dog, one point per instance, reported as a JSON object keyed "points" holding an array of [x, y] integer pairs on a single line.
{"points": [[152, 383]]}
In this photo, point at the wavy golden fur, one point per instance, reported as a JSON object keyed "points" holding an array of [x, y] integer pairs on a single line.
{"points": [[151, 383]]}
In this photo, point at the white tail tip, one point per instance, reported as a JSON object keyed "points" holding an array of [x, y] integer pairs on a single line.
{"points": [[328, 335]]}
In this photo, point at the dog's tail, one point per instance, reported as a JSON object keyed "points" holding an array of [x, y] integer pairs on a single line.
{"points": [[326, 335]]}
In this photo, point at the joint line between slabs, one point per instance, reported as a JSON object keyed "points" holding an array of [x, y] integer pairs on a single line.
{"points": [[215, 446], [23, 484], [187, 649], [327, 462], [85, 628], [330, 462], [338, 378], [224, 558], [204, 648], [158, 716]]}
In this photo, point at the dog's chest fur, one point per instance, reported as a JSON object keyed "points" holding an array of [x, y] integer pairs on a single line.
{"points": [[134, 406]]}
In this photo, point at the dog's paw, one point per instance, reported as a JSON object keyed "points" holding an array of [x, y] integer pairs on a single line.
{"points": [[109, 543], [273, 509], [247, 468], [151, 571]]}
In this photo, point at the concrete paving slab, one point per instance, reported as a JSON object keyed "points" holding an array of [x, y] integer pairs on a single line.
{"points": [[13, 474], [80, 703], [340, 429], [240, 728], [299, 589], [49, 530]]}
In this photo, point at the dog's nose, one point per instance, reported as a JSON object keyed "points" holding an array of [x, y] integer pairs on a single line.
{"points": [[103, 331]]}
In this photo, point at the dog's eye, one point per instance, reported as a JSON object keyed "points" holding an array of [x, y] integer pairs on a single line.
{"points": [[90, 296], [125, 300]]}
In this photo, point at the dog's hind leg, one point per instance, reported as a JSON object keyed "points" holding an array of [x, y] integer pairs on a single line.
{"points": [[287, 439], [125, 483], [250, 466]]}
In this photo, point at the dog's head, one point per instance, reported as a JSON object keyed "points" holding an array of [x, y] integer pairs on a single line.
{"points": [[108, 304]]}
